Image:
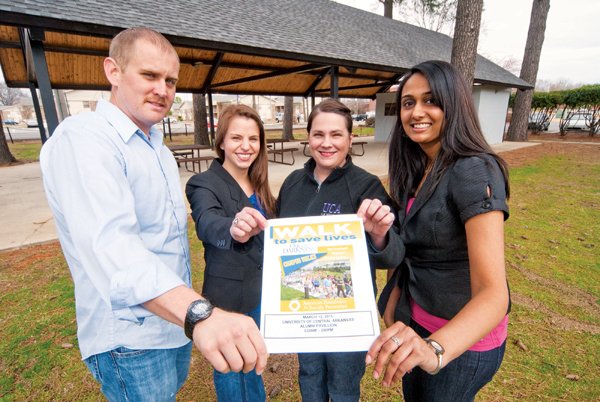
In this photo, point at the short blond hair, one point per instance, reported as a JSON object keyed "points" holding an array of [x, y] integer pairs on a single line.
{"points": [[122, 45]]}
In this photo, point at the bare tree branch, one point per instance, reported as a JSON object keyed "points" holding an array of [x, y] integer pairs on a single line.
{"points": [[9, 96]]}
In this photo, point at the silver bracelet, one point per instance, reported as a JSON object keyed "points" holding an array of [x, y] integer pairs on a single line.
{"points": [[439, 352]]}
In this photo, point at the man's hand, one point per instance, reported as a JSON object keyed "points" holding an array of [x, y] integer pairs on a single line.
{"points": [[231, 342], [377, 220], [247, 223]]}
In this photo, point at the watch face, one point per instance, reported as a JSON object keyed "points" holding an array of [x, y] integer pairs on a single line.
{"points": [[201, 309], [436, 346]]}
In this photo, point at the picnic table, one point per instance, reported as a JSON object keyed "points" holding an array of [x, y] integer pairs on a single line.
{"points": [[190, 153], [276, 148]]}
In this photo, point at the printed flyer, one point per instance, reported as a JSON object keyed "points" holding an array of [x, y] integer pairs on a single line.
{"points": [[317, 294]]}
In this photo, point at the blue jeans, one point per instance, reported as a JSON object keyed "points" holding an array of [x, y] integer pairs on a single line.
{"points": [[141, 375], [240, 387], [331, 375], [459, 381]]}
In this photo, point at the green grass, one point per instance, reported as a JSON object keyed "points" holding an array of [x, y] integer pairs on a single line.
{"points": [[553, 232], [553, 257], [288, 293], [26, 151]]}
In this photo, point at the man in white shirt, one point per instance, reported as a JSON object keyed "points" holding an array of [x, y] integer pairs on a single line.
{"points": [[114, 190]]}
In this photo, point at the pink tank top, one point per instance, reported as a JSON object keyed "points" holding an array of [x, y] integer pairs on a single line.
{"points": [[432, 323]]}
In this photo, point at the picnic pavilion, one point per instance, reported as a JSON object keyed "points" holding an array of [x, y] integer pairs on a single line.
{"points": [[302, 48]]}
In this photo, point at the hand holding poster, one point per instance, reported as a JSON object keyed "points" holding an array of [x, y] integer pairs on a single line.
{"points": [[317, 293]]}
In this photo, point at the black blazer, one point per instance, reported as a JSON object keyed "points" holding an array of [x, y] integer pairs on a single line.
{"points": [[233, 274], [435, 270]]}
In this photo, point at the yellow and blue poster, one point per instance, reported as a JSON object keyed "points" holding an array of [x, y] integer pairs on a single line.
{"points": [[317, 286]]}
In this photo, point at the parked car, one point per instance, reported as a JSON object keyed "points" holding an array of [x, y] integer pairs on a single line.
{"points": [[279, 117], [31, 123], [10, 122], [359, 117], [538, 121], [578, 121]]}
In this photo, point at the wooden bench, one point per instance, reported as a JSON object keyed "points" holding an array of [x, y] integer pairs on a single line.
{"points": [[180, 156], [195, 160], [190, 153], [281, 152], [352, 151]]}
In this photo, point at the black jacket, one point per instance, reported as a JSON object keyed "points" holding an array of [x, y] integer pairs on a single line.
{"points": [[435, 271], [233, 273], [341, 193]]}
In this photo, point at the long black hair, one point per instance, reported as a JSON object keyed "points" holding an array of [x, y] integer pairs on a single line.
{"points": [[460, 134]]}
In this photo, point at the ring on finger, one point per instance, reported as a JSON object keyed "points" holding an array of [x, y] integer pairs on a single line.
{"points": [[395, 340], [235, 221]]}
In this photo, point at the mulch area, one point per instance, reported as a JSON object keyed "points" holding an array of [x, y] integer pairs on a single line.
{"points": [[552, 144]]}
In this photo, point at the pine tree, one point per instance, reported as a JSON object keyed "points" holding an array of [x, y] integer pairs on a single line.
{"points": [[517, 131], [466, 37]]}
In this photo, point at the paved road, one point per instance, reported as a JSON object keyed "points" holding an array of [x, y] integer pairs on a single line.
{"points": [[22, 133]]}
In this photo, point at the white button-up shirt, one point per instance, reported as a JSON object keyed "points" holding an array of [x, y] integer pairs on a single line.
{"points": [[122, 224]]}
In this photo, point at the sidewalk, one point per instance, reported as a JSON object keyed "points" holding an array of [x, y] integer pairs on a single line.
{"points": [[25, 217]]}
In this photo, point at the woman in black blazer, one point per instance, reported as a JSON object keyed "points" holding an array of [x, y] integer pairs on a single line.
{"points": [[230, 204], [446, 306]]}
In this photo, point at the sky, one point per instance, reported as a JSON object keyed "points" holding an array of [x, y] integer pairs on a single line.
{"points": [[571, 50]]}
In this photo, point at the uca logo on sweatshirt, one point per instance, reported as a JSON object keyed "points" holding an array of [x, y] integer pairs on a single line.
{"points": [[330, 208]]}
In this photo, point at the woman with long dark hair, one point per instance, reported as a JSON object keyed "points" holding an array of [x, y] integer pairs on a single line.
{"points": [[230, 205], [446, 306]]}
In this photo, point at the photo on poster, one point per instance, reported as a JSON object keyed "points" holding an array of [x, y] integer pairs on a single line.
{"points": [[317, 282]]}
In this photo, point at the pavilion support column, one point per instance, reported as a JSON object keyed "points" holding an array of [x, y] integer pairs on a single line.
{"points": [[36, 38], [335, 70], [38, 111], [211, 117]]}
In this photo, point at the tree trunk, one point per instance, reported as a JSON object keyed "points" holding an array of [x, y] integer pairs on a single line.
{"points": [[200, 125], [288, 115], [517, 131], [388, 8], [466, 36], [5, 156]]}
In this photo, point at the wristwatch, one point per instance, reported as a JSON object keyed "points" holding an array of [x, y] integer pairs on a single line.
{"points": [[439, 352], [197, 311]]}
